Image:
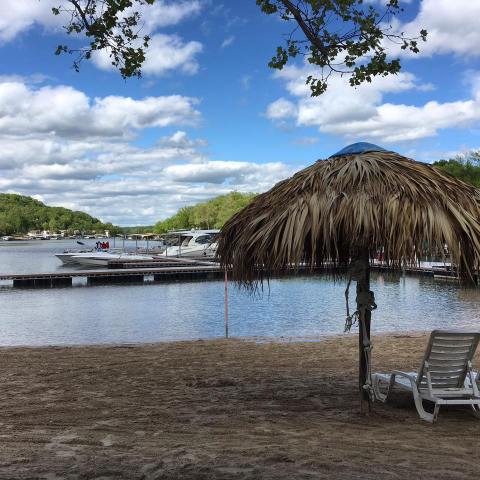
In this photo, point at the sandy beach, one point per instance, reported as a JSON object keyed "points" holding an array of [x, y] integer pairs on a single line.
{"points": [[221, 410]]}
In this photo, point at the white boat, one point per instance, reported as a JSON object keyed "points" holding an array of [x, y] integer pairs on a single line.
{"points": [[102, 259], [67, 257], [191, 243], [96, 258]]}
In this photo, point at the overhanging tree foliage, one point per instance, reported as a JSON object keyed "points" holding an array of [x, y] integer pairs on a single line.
{"points": [[345, 37], [110, 25]]}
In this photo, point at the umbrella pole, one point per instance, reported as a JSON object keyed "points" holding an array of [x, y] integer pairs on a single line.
{"points": [[363, 289]]}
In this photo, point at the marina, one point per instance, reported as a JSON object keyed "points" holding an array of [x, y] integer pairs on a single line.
{"points": [[34, 265], [167, 269], [170, 298]]}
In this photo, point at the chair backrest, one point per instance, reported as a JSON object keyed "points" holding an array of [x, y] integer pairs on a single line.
{"points": [[448, 354]]}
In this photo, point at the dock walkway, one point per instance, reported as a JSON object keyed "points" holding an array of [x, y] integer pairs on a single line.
{"points": [[124, 275], [172, 269]]}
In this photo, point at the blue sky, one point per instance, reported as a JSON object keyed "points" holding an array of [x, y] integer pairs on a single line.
{"points": [[209, 116]]}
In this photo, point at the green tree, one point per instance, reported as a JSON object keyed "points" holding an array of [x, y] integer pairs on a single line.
{"points": [[339, 36], [113, 229], [211, 214], [231, 204], [466, 167], [53, 225]]}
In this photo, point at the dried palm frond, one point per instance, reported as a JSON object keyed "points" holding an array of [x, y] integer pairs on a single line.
{"points": [[326, 213]]}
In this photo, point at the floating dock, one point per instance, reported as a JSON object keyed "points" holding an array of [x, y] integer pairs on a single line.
{"points": [[124, 275], [162, 270]]}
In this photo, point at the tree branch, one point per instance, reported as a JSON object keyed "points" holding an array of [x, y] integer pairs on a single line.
{"points": [[82, 15], [306, 30]]}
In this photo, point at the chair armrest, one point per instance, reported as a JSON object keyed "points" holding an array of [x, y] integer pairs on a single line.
{"points": [[391, 383], [472, 380], [399, 373]]}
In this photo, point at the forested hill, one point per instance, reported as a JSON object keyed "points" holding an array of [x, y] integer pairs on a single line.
{"points": [[19, 214], [211, 214]]}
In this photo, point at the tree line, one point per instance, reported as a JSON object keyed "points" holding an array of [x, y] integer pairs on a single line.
{"points": [[211, 214], [19, 214], [466, 167]]}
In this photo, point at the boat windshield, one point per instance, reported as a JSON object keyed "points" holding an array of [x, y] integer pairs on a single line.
{"points": [[185, 240], [172, 240], [205, 239]]}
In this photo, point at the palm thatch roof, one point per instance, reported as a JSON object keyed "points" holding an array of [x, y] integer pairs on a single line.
{"points": [[325, 213]]}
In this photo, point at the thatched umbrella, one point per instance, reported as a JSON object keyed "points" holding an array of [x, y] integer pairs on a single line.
{"points": [[340, 211]]}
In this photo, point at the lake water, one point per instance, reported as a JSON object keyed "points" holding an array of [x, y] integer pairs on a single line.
{"points": [[39, 255], [306, 307]]}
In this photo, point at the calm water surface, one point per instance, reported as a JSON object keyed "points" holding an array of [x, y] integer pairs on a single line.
{"points": [[38, 256], [299, 307]]}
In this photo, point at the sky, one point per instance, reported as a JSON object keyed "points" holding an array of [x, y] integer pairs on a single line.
{"points": [[208, 115]]}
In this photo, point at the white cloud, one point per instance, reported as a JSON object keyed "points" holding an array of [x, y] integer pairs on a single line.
{"points": [[68, 112], [221, 171], [361, 112], [164, 14], [152, 180], [17, 16], [281, 109], [33, 79], [166, 51], [228, 41], [245, 81], [433, 155], [306, 140], [452, 28], [70, 150], [169, 52]]}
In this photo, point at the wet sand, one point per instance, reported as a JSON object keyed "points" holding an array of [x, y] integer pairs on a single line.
{"points": [[221, 410]]}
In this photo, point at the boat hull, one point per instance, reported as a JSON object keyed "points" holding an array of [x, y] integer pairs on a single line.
{"points": [[102, 259]]}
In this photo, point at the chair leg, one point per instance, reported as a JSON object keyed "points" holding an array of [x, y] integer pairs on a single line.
{"points": [[423, 414], [379, 395], [476, 409]]}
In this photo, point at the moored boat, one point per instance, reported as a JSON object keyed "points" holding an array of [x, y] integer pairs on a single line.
{"points": [[191, 243], [94, 258]]}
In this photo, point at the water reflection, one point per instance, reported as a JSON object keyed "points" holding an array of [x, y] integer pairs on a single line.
{"points": [[293, 307]]}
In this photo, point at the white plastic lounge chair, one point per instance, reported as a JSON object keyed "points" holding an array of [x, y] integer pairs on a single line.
{"points": [[445, 376]]}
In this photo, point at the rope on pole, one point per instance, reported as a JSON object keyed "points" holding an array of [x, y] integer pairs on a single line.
{"points": [[226, 303], [365, 302]]}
